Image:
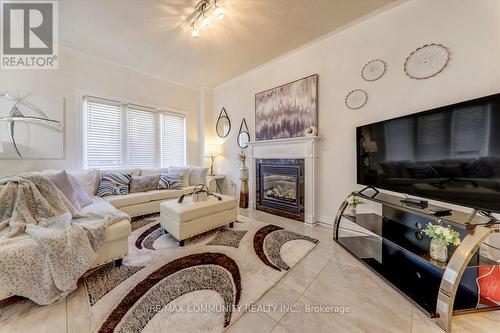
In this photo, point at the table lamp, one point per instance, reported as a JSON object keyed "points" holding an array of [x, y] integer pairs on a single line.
{"points": [[212, 151]]}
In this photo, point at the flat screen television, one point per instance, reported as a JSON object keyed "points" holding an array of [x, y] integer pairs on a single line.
{"points": [[450, 154]]}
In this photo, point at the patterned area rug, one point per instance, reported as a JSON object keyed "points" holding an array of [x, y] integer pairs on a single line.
{"points": [[201, 287]]}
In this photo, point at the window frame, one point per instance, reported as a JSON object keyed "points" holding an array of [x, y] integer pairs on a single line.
{"points": [[125, 103]]}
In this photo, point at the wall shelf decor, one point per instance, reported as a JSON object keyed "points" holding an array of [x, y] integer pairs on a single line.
{"points": [[373, 70], [223, 126], [356, 99], [426, 61], [243, 135]]}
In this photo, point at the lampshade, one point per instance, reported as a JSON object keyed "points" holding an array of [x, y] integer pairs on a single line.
{"points": [[213, 150], [371, 147]]}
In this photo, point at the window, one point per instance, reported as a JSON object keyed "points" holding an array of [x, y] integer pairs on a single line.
{"points": [[118, 134], [470, 130]]}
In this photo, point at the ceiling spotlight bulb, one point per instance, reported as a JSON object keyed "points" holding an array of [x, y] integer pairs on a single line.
{"points": [[205, 22], [195, 33], [219, 13]]}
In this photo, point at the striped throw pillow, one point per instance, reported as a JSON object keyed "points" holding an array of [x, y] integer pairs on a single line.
{"points": [[113, 183], [197, 176], [170, 181]]}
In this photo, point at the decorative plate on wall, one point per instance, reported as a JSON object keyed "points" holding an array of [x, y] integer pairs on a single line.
{"points": [[356, 99], [373, 70], [426, 61]]}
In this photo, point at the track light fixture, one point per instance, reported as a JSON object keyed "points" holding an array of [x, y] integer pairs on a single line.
{"points": [[202, 13]]}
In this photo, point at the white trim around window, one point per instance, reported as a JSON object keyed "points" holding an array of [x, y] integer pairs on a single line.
{"points": [[117, 133]]}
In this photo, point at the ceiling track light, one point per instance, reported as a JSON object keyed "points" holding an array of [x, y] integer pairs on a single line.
{"points": [[202, 12]]}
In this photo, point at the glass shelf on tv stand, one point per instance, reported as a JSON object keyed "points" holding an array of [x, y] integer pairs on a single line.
{"points": [[408, 268]]}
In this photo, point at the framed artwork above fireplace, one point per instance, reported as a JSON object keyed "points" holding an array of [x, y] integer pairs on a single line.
{"points": [[287, 111]]}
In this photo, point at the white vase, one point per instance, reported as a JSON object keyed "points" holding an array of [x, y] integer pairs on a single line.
{"points": [[438, 250], [243, 172], [351, 211]]}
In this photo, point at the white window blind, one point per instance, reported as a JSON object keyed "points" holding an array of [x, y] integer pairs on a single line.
{"points": [[142, 137], [469, 131], [432, 143], [399, 142], [103, 133], [173, 140]]}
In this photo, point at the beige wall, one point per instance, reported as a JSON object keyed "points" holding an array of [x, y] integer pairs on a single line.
{"points": [[469, 28], [79, 72]]}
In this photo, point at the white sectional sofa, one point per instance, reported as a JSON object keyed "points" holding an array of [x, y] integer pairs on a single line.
{"points": [[115, 246]]}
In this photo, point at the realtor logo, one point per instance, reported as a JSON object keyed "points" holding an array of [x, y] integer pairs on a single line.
{"points": [[29, 35]]}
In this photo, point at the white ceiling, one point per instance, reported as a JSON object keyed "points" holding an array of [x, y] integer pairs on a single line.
{"points": [[154, 35]]}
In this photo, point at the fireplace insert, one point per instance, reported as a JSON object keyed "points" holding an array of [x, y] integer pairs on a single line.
{"points": [[280, 187]]}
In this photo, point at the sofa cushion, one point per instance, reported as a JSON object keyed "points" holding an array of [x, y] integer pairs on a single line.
{"points": [[189, 210], [183, 171], [422, 171], [144, 183], [169, 181], [153, 171], [477, 169], [128, 200], [197, 176], [449, 171], [112, 183], [164, 194]]}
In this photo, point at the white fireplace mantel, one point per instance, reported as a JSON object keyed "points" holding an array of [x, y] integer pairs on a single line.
{"points": [[304, 147]]}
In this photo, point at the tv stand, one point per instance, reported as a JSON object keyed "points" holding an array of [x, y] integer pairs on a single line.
{"points": [[394, 246]]}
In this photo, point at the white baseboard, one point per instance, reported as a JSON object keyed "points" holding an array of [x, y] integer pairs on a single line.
{"points": [[326, 221]]}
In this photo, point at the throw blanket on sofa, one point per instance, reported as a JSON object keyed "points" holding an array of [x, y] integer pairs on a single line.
{"points": [[45, 244]]}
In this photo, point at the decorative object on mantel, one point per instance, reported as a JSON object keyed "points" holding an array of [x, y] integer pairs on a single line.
{"points": [[373, 70], [354, 202], [243, 135], [426, 61], [286, 111], [244, 180], [356, 99], [212, 151], [201, 12], [32, 132], [311, 131], [441, 237], [223, 126]]}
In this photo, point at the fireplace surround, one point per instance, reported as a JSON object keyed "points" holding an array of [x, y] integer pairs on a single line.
{"points": [[280, 187], [305, 149]]}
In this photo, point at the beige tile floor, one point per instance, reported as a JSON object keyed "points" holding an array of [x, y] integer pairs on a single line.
{"points": [[328, 276]]}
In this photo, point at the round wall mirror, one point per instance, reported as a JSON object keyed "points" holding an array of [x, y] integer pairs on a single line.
{"points": [[223, 126], [243, 135]]}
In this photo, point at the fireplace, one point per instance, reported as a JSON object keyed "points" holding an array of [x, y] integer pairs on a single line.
{"points": [[280, 187]]}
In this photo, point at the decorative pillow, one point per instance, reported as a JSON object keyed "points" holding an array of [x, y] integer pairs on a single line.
{"points": [[390, 169], [170, 181], [403, 169], [477, 169], [197, 176], [82, 196], [61, 181], [112, 183], [422, 171], [449, 171], [144, 183], [86, 178], [183, 172]]}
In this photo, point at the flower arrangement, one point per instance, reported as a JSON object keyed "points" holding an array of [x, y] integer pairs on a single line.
{"points": [[442, 234], [355, 201]]}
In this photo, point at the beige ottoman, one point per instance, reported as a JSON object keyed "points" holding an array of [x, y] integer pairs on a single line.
{"points": [[188, 219]]}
